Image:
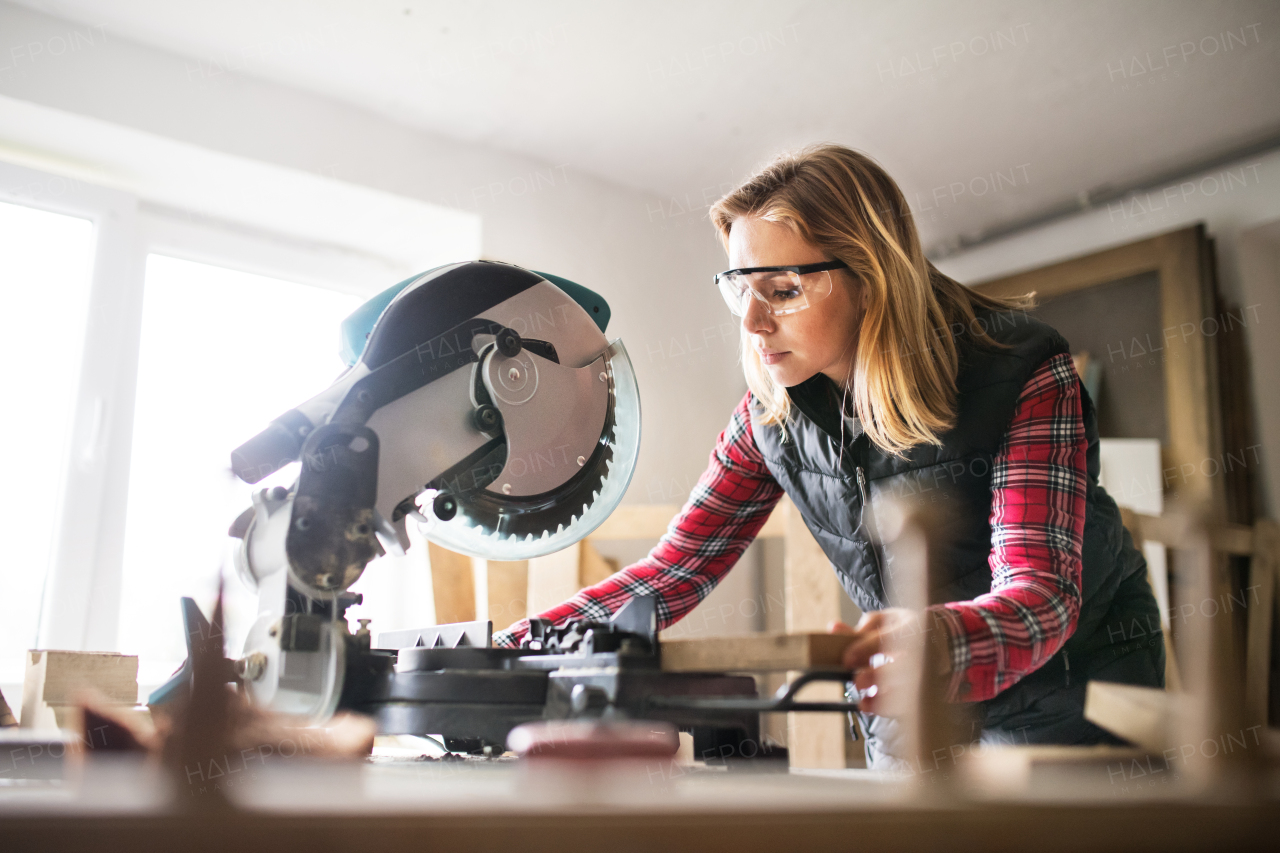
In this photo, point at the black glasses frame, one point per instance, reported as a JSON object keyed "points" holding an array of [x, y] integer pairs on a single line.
{"points": [[803, 269]]}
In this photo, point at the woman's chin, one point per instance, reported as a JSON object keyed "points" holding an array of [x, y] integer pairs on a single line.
{"points": [[785, 374]]}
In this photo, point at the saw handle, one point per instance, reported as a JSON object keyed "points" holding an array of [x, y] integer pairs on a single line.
{"points": [[273, 448]]}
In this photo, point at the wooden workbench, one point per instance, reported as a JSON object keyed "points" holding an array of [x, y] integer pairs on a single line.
{"points": [[518, 808]]}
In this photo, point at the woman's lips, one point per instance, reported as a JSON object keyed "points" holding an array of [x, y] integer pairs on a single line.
{"points": [[769, 356]]}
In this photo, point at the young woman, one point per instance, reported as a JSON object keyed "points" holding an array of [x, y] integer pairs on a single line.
{"points": [[872, 377]]}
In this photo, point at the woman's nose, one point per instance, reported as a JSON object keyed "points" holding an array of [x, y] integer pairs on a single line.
{"points": [[757, 318]]}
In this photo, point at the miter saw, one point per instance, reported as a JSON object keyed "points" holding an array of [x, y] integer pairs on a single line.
{"points": [[484, 403]]}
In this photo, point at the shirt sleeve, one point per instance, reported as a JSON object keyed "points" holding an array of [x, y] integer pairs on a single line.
{"points": [[1037, 532], [726, 509]]}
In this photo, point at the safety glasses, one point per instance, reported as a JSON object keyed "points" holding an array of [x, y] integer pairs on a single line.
{"points": [[782, 290]]}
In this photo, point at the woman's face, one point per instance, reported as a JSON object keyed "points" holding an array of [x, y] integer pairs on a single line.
{"points": [[817, 339]]}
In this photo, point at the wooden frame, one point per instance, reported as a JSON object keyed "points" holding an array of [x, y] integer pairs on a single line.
{"points": [[1183, 260], [1259, 543]]}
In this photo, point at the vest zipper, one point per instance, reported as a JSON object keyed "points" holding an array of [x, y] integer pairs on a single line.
{"points": [[862, 519]]}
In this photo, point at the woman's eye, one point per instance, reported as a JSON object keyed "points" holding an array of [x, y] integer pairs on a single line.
{"points": [[785, 295]]}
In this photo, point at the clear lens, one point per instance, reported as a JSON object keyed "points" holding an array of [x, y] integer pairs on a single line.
{"points": [[781, 292]]}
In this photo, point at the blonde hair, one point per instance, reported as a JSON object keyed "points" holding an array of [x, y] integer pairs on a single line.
{"points": [[903, 376]]}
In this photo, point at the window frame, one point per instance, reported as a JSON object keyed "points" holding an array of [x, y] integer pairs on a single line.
{"points": [[80, 607]]}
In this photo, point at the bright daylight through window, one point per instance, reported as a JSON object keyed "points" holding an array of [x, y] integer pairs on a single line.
{"points": [[223, 352], [44, 290]]}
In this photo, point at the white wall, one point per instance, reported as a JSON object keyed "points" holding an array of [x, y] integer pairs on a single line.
{"points": [[1240, 205], [655, 268]]}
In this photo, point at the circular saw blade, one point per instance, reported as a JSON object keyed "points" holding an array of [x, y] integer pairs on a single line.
{"points": [[500, 527]]}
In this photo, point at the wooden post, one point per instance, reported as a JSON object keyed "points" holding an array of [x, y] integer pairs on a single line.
{"points": [[507, 585], [812, 602], [1133, 522], [553, 579], [452, 585], [556, 577], [1263, 566], [1213, 673]]}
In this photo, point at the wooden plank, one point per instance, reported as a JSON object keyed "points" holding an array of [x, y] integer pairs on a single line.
{"points": [[1137, 529], [592, 567], [1010, 770], [637, 521], [1234, 539], [553, 579], [55, 679], [1191, 369], [812, 590], [754, 653], [452, 585], [557, 577], [508, 588], [1141, 715], [1078, 273]]}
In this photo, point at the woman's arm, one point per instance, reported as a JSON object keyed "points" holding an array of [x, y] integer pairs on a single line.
{"points": [[725, 511], [1037, 531]]}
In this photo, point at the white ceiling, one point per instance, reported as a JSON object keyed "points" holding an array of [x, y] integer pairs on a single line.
{"points": [[680, 98]]}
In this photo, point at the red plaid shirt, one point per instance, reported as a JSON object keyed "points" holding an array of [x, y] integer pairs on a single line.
{"points": [[1037, 529]]}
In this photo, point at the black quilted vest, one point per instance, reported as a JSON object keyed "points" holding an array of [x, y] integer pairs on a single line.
{"points": [[837, 478]]}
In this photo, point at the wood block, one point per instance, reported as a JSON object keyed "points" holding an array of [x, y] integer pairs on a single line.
{"points": [[1235, 539], [553, 579], [812, 590], [639, 521], [817, 740], [508, 586], [452, 585], [592, 567], [754, 653], [1141, 715], [54, 678], [1009, 770], [557, 577]]}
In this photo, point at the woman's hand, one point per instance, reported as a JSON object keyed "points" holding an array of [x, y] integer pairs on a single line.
{"points": [[883, 655]]}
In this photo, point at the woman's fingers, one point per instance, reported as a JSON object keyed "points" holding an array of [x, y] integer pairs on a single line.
{"points": [[835, 626], [868, 641], [865, 681], [858, 653]]}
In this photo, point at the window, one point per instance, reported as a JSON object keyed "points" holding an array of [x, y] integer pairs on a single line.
{"points": [[133, 374], [45, 261], [222, 353]]}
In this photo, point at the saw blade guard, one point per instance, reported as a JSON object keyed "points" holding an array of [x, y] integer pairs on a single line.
{"points": [[507, 529]]}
